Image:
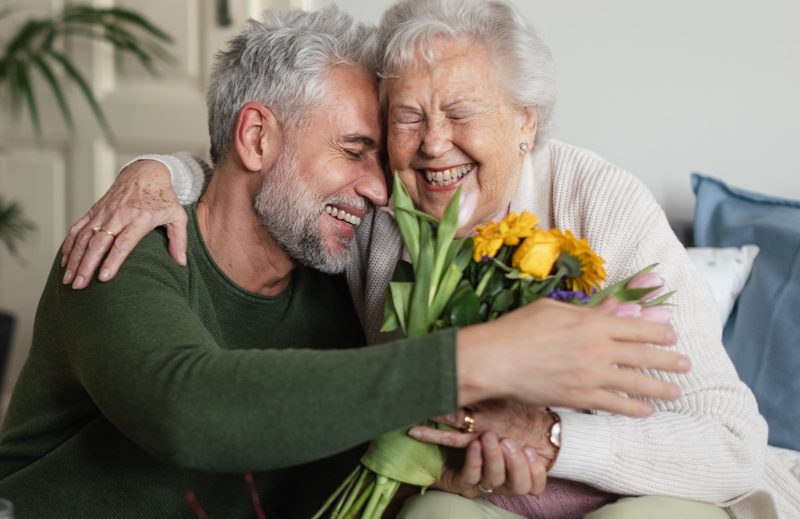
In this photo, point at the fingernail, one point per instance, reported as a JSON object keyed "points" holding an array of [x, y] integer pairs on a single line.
{"points": [[491, 441], [63, 261], [684, 364], [509, 446], [674, 392], [414, 433], [67, 277], [530, 454], [648, 409], [671, 335], [78, 282], [450, 418], [104, 274]]}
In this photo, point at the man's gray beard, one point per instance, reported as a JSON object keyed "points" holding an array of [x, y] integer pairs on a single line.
{"points": [[291, 212]]}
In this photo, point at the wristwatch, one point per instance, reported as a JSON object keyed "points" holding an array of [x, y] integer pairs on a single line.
{"points": [[554, 436]]}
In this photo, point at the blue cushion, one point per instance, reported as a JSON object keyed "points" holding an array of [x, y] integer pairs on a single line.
{"points": [[762, 335]]}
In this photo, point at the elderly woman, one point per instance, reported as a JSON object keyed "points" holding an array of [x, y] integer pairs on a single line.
{"points": [[468, 94]]}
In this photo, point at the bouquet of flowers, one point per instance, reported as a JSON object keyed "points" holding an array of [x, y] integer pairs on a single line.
{"points": [[458, 282]]}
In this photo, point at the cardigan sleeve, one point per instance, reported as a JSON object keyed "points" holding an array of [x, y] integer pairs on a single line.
{"points": [[710, 445], [190, 174]]}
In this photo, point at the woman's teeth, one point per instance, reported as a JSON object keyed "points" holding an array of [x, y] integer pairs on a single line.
{"points": [[447, 177], [342, 215]]}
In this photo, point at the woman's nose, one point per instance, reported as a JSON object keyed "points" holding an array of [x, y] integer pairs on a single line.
{"points": [[435, 138]]}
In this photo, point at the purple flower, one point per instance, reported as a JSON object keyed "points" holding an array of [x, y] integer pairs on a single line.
{"points": [[568, 295]]}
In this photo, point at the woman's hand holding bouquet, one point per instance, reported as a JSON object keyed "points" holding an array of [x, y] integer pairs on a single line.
{"points": [[454, 283]]}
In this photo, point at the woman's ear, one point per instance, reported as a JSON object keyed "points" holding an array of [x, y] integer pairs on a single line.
{"points": [[258, 137], [528, 125]]}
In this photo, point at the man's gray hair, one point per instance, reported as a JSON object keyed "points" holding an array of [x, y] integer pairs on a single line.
{"points": [[409, 27], [283, 63]]}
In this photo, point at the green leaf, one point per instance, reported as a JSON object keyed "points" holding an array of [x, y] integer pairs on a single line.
{"points": [[398, 456], [451, 279], [44, 68], [418, 323], [445, 234], [390, 320], [406, 222], [27, 87], [632, 295], [465, 308], [503, 301], [15, 228], [70, 69], [401, 298], [660, 300], [596, 298]]}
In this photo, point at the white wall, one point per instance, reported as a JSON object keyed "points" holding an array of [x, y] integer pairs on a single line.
{"points": [[666, 88]]}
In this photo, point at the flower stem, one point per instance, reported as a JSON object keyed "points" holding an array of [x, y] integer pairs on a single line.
{"points": [[355, 490], [336, 493], [380, 483], [360, 501], [485, 280], [345, 494], [386, 498]]}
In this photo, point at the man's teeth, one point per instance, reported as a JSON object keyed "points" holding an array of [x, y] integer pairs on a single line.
{"points": [[447, 177], [342, 215]]}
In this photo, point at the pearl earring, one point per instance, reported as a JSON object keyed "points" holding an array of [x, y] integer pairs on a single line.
{"points": [[523, 146]]}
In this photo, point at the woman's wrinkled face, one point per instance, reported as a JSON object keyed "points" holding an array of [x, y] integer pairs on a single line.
{"points": [[451, 125]]}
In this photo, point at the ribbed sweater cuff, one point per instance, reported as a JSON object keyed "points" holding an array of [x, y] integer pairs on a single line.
{"points": [[188, 185], [586, 447]]}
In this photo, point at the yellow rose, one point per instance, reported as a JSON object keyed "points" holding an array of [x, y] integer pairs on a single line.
{"points": [[537, 254]]}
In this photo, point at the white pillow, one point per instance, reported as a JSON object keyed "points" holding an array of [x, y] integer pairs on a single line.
{"points": [[726, 271]]}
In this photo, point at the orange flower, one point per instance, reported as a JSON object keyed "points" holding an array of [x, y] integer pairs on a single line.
{"points": [[593, 273], [537, 254], [509, 231]]}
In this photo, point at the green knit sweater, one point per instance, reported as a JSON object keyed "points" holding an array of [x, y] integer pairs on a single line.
{"points": [[171, 379]]}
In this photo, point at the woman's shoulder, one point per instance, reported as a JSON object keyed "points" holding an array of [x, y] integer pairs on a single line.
{"points": [[588, 188]]}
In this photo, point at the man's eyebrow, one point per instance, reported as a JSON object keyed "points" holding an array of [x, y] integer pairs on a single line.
{"points": [[366, 140]]}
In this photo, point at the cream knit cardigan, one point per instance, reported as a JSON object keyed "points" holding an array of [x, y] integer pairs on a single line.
{"points": [[711, 445]]}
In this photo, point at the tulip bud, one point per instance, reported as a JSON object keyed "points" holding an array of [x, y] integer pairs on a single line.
{"points": [[628, 310], [389, 207], [657, 314], [651, 279], [466, 207]]}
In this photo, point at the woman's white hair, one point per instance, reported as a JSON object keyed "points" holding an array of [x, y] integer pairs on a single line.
{"points": [[409, 27], [283, 63]]}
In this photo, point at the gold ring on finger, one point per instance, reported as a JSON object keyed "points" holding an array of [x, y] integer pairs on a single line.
{"points": [[469, 421], [99, 228]]}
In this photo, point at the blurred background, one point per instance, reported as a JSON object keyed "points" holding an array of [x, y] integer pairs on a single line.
{"points": [[659, 88]]}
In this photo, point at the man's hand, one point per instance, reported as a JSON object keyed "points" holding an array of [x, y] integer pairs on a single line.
{"points": [[560, 355], [496, 465], [140, 200]]}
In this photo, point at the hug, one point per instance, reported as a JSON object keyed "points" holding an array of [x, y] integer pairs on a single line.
{"points": [[235, 323]]}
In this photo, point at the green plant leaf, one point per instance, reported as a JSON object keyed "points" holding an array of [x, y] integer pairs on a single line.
{"points": [[15, 228], [503, 301], [27, 87], [418, 323], [445, 234], [71, 71], [401, 293], [632, 295], [660, 300], [465, 307], [44, 68], [406, 222], [398, 456]]}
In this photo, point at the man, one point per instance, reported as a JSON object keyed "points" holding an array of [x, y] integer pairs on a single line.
{"points": [[172, 379]]}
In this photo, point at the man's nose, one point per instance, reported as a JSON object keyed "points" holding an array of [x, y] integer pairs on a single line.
{"points": [[373, 185], [435, 140]]}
